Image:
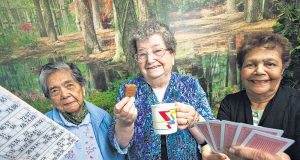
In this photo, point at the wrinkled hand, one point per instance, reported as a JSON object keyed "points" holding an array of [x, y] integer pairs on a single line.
{"points": [[125, 111], [186, 115], [238, 152], [208, 154]]}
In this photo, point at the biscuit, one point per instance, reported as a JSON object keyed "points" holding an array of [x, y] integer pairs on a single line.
{"points": [[130, 90]]}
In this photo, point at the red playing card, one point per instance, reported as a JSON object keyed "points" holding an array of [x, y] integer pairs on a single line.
{"points": [[267, 142], [245, 129], [215, 128], [202, 126], [228, 132]]}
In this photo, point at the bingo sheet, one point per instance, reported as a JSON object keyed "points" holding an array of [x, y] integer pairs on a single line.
{"points": [[26, 133]]}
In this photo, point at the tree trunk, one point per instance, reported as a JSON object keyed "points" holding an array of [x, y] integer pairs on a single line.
{"points": [[89, 33], [127, 20], [119, 56], [231, 6], [51, 28], [41, 22], [64, 15], [227, 71], [232, 59], [10, 22], [232, 62], [77, 20], [252, 11], [269, 9], [96, 14], [142, 9], [54, 5], [99, 74]]}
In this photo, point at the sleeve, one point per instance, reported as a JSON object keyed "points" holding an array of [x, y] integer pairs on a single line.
{"points": [[296, 146], [224, 110], [111, 131], [202, 106]]}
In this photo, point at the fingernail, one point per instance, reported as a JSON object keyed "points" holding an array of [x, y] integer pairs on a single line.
{"points": [[231, 150]]}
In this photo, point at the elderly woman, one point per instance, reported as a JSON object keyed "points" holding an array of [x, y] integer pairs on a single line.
{"points": [[154, 48], [265, 102], [63, 84]]}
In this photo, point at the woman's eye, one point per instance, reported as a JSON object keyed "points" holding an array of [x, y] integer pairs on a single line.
{"points": [[54, 91], [70, 85], [249, 65], [271, 64]]}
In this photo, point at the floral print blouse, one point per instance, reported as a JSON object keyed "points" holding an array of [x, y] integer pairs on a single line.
{"points": [[145, 144]]}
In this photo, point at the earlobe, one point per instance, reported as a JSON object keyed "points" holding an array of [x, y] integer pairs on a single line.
{"points": [[83, 91]]}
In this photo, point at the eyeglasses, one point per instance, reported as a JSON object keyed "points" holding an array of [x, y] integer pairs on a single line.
{"points": [[157, 53]]}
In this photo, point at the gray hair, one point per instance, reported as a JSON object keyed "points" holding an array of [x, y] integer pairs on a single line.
{"points": [[148, 28], [49, 68]]}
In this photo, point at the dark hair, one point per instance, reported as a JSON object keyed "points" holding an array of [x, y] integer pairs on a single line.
{"points": [[49, 68], [148, 28], [266, 40]]}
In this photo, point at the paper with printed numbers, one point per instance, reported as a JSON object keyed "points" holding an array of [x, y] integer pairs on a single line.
{"points": [[28, 134]]}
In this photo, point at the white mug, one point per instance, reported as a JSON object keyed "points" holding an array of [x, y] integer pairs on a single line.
{"points": [[164, 118]]}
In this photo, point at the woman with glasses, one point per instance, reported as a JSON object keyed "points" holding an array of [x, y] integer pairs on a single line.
{"points": [[154, 48]]}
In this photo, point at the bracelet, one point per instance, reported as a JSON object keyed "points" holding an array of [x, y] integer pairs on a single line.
{"points": [[203, 144]]}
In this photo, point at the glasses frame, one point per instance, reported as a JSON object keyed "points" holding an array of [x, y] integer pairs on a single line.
{"points": [[136, 56]]}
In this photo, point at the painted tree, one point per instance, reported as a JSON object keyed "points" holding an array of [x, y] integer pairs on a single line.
{"points": [[252, 11], [41, 22], [141, 9], [50, 24], [64, 12], [231, 6], [268, 8], [91, 43], [96, 14], [126, 19], [119, 55], [77, 21]]}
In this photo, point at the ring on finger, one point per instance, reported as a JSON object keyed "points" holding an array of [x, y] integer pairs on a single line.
{"points": [[187, 121]]}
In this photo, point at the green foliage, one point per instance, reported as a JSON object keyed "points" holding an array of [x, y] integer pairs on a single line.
{"points": [[288, 25], [28, 39], [6, 42], [13, 39], [41, 105], [107, 99], [36, 100]]}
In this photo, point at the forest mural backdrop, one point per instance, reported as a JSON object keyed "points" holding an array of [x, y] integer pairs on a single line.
{"points": [[94, 34]]}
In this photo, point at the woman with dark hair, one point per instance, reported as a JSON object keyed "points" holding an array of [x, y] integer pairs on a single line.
{"points": [[262, 60]]}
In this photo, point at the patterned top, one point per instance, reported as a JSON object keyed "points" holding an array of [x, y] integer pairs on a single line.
{"points": [[86, 148], [145, 144]]}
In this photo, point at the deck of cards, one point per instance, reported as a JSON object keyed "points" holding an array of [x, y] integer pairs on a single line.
{"points": [[223, 134]]}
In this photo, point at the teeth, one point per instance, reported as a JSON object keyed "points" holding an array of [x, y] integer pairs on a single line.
{"points": [[152, 67], [260, 81]]}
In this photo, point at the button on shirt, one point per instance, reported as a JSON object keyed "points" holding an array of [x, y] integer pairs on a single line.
{"points": [[86, 148]]}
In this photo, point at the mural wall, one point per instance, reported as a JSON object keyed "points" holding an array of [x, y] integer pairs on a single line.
{"points": [[95, 33]]}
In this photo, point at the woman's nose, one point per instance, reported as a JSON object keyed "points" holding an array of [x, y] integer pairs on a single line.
{"points": [[260, 69], [65, 92], [150, 57]]}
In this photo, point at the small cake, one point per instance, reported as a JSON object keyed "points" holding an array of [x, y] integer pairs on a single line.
{"points": [[130, 90]]}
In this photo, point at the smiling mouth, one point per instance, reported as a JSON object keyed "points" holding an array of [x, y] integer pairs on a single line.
{"points": [[260, 81], [153, 67]]}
